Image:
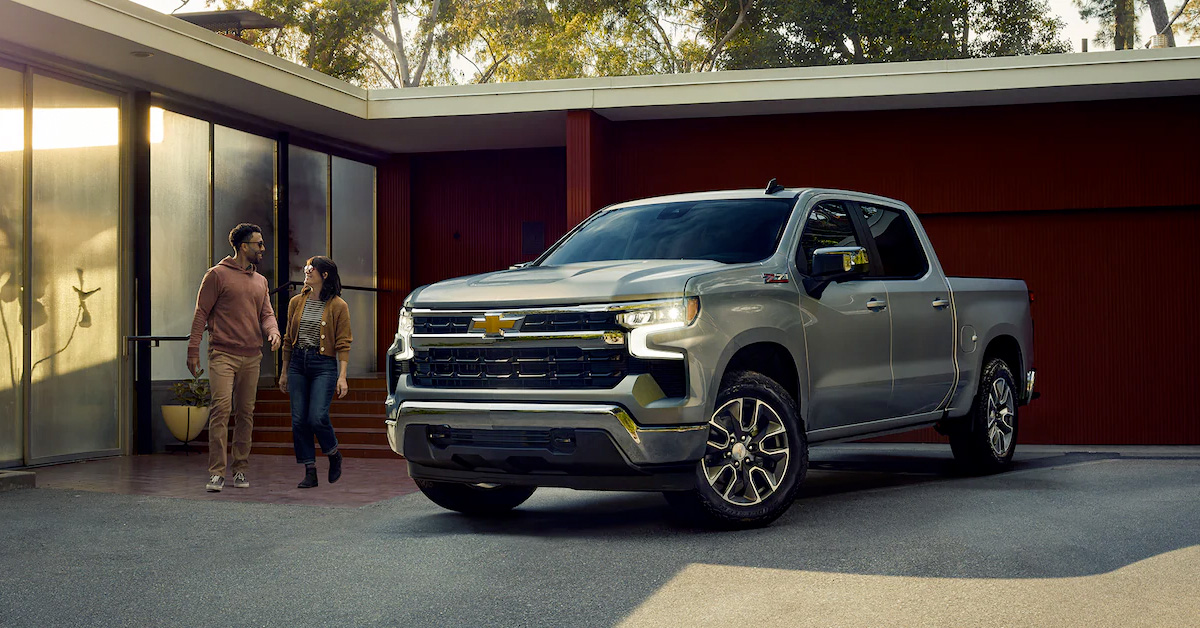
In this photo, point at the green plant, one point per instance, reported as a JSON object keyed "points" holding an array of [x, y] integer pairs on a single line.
{"points": [[193, 392]]}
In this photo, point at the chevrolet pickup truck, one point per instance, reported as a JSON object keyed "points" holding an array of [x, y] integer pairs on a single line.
{"points": [[697, 345]]}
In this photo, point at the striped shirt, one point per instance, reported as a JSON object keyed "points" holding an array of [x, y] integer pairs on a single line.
{"points": [[310, 324]]}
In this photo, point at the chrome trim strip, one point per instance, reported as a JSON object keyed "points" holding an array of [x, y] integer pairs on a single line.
{"points": [[1029, 378], [617, 412], [519, 335], [565, 309]]}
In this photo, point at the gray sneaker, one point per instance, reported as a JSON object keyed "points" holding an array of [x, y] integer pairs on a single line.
{"points": [[215, 484], [240, 481]]}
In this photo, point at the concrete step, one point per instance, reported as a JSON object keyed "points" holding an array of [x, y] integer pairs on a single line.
{"points": [[349, 450]]}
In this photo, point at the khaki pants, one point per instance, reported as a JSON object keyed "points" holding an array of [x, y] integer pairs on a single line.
{"points": [[234, 380]]}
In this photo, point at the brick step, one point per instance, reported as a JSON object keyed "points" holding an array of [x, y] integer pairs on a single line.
{"points": [[374, 431], [340, 406], [339, 421], [349, 450], [355, 394]]}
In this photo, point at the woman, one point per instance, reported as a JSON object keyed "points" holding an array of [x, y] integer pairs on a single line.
{"points": [[316, 351]]}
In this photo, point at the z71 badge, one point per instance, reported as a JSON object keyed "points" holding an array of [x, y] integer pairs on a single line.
{"points": [[775, 278]]}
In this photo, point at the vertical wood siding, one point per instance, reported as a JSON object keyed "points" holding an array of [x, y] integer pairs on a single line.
{"points": [[467, 208]]}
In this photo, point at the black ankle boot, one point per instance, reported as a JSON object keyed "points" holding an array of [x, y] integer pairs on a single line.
{"points": [[310, 478], [335, 467]]}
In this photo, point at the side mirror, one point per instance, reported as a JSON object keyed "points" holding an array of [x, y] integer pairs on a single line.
{"points": [[835, 263], [519, 266], [839, 263]]}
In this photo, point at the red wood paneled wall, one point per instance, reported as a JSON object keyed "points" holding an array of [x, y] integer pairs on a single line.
{"points": [[1028, 157], [587, 148], [394, 234], [467, 208]]}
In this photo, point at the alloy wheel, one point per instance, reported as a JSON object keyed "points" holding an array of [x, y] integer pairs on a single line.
{"points": [[748, 454]]}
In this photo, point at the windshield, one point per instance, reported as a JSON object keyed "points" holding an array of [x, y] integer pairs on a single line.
{"points": [[731, 231]]}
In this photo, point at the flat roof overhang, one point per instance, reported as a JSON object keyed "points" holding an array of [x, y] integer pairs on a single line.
{"points": [[190, 63]]}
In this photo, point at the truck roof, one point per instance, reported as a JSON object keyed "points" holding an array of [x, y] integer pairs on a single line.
{"points": [[785, 193]]}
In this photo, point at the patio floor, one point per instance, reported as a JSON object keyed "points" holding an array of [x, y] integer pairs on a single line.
{"points": [[273, 479]]}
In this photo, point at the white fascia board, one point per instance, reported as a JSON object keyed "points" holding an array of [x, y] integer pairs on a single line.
{"points": [[921, 78], [161, 33]]}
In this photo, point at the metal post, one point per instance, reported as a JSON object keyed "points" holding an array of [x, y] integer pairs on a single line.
{"points": [[141, 268]]}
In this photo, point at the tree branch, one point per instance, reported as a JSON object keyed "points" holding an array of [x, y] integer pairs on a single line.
{"points": [[487, 76], [429, 24], [377, 65], [710, 60], [398, 46]]}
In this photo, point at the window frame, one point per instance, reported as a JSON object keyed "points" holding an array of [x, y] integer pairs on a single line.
{"points": [[876, 259], [856, 223]]}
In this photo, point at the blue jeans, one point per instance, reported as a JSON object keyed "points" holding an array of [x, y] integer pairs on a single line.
{"points": [[312, 381]]}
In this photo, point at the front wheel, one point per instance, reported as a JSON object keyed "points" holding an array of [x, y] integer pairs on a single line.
{"points": [[755, 459], [475, 499], [986, 439]]}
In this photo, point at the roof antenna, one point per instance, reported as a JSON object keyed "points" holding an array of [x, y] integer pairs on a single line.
{"points": [[773, 187]]}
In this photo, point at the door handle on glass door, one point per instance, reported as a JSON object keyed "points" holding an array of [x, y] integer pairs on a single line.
{"points": [[940, 303]]}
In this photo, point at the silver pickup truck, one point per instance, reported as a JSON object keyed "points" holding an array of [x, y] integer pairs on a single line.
{"points": [[697, 345]]}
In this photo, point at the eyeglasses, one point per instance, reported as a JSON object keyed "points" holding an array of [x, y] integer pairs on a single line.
{"points": [[260, 244]]}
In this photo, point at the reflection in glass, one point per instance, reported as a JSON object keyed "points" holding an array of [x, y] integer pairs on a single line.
{"points": [[178, 214], [12, 133], [308, 178], [354, 251], [244, 191], [74, 271]]}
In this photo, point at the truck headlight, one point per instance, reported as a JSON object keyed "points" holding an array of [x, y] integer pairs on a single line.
{"points": [[656, 318], [673, 311], [404, 332]]}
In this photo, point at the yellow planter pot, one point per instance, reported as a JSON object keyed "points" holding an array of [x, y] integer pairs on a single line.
{"points": [[185, 422]]}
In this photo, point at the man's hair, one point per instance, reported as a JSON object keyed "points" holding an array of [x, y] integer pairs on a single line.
{"points": [[333, 283], [240, 233]]}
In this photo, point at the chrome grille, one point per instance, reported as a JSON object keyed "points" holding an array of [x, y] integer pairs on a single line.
{"points": [[527, 367], [532, 323]]}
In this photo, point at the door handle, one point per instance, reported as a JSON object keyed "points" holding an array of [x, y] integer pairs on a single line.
{"points": [[940, 303], [876, 305]]}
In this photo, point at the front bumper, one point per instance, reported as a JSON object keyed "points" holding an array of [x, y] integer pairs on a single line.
{"points": [[576, 445]]}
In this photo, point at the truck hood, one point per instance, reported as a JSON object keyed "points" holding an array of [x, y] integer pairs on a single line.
{"points": [[571, 284]]}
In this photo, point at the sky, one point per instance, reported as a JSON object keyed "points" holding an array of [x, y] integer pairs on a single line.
{"points": [[1075, 31]]}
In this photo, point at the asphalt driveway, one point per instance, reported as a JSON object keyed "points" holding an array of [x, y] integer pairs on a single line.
{"points": [[882, 535]]}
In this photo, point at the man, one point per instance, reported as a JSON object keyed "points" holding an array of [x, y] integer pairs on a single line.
{"points": [[234, 304]]}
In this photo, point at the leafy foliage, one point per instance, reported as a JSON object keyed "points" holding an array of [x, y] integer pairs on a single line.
{"points": [[405, 43], [193, 392]]}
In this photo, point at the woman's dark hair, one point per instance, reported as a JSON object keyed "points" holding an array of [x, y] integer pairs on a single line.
{"points": [[333, 283], [238, 234]]}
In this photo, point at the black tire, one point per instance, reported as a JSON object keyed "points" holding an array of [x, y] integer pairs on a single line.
{"points": [[741, 495], [472, 499], [985, 440]]}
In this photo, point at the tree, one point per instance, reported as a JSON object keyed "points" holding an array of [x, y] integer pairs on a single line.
{"points": [[406, 43], [819, 32], [356, 40], [1119, 20]]}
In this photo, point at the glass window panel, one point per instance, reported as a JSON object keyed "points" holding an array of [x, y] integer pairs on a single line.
{"points": [[12, 145], [900, 252], [74, 270], [244, 191], [353, 223], [828, 224], [308, 178], [178, 212]]}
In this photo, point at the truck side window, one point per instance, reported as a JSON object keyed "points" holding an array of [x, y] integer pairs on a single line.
{"points": [[900, 251], [828, 224]]}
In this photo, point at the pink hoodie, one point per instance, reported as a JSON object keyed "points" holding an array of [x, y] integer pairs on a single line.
{"points": [[233, 303]]}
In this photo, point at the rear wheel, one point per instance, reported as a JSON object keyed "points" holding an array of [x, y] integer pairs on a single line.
{"points": [[985, 441], [755, 460], [475, 499]]}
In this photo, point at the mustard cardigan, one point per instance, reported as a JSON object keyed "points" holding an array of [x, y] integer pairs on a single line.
{"points": [[336, 317]]}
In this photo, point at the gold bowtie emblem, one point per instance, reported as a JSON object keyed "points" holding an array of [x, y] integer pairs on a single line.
{"points": [[493, 325]]}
